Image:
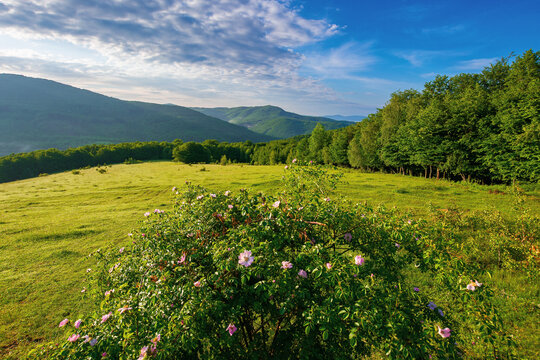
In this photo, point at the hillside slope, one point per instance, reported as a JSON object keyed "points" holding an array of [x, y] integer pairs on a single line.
{"points": [[38, 114], [271, 120]]}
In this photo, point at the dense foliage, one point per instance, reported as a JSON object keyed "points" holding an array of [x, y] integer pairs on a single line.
{"points": [[300, 275]]}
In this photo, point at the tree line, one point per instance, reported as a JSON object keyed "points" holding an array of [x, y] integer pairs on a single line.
{"points": [[483, 127]]}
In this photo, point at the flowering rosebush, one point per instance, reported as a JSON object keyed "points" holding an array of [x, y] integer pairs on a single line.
{"points": [[301, 275]]}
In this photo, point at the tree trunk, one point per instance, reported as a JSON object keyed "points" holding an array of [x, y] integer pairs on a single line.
{"points": [[425, 173], [430, 171], [438, 173]]}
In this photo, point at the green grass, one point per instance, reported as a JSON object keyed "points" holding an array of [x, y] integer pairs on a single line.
{"points": [[50, 224]]}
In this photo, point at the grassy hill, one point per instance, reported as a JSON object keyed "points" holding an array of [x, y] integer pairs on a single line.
{"points": [[50, 224], [272, 120], [39, 114]]}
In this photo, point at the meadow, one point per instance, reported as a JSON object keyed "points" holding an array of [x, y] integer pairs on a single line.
{"points": [[51, 223]]}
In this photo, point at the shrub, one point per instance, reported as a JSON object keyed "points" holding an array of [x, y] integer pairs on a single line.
{"points": [[300, 275]]}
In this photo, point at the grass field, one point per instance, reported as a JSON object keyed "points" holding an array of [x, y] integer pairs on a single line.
{"points": [[50, 224]]}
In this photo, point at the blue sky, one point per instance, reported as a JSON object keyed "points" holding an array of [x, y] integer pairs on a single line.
{"points": [[308, 56]]}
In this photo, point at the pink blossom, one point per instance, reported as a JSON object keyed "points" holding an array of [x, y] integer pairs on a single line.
{"points": [[83, 290], [311, 161], [147, 214], [109, 292], [359, 260], [416, 289], [286, 167], [302, 273], [230, 206], [174, 189], [245, 258], [276, 204], [182, 258], [227, 193], [286, 265], [231, 329], [397, 245], [63, 323], [328, 266], [106, 317], [130, 234], [294, 161], [200, 197], [347, 237], [121, 250], [86, 338], [197, 283], [212, 195], [93, 342], [444, 332], [156, 339], [123, 309], [74, 337], [77, 323], [327, 199], [104, 355]]}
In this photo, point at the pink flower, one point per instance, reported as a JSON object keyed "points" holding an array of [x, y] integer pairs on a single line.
{"points": [[359, 260], [93, 342], [276, 204], [416, 289], [197, 283], [109, 292], [231, 329], [302, 273], [286, 265], [147, 214], [74, 337], [63, 323], [121, 250], [106, 317], [397, 245], [130, 234], [182, 258], [286, 167], [156, 339], [227, 193], [245, 258], [200, 197], [328, 266], [347, 237], [104, 355], [294, 161], [212, 195], [444, 332], [327, 199], [77, 323], [311, 161], [230, 206], [174, 189], [83, 290], [124, 309]]}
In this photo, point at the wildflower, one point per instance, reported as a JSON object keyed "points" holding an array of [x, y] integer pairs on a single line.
{"points": [[88, 270], [286, 167], [245, 258], [182, 258], [121, 250], [93, 342], [441, 312], [130, 234], [347, 237], [104, 355], [197, 283], [109, 292], [212, 195], [147, 214], [106, 317], [74, 337], [174, 189], [230, 206], [444, 332], [227, 193], [473, 285], [276, 204], [156, 339], [311, 162], [286, 265], [359, 260], [416, 289], [409, 222], [294, 161], [124, 309], [63, 323], [431, 305], [200, 197], [86, 339], [397, 245], [302, 273], [231, 329], [77, 323], [328, 266], [327, 199], [83, 290]]}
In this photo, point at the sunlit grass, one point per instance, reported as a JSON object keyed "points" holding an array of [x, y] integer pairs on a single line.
{"points": [[50, 224]]}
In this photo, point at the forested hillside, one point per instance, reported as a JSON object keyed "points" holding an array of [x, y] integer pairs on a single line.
{"points": [[39, 114], [272, 120]]}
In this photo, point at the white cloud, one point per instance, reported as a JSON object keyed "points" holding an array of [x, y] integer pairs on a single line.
{"points": [[340, 62], [475, 64]]}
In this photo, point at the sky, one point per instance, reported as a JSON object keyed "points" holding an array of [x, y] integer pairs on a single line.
{"points": [[312, 57]]}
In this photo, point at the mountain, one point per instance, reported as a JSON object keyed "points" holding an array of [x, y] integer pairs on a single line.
{"points": [[39, 114], [352, 118], [271, 120]]}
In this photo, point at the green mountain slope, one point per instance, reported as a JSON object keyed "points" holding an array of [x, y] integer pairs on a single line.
{"points": [[272, 120], [39, 114]]}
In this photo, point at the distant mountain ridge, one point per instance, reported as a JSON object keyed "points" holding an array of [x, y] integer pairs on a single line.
{"points": [[351, 118], [271, 120], [39, 114]]}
